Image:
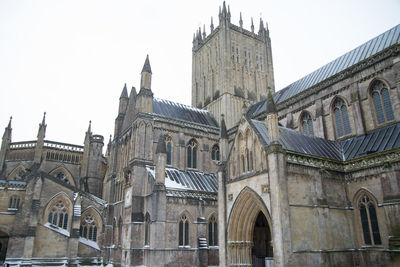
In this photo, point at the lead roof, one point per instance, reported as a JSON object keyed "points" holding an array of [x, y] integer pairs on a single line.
{"points": [[183, 112], [353, 57]]}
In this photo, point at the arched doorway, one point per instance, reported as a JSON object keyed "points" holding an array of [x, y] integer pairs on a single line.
{"points": [[3, 246], [249, 231], [262, 253]]}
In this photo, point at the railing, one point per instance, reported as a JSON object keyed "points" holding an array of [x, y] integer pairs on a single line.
{"points": [[22, 145], [63, 146]]}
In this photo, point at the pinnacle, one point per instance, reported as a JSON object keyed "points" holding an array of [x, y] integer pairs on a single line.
{"points": [[124, 93], [146, 66]]}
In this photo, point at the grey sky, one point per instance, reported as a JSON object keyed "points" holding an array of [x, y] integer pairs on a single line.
{"points": [[72, 58]]}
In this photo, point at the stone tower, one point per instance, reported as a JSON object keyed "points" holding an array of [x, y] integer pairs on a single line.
{"points": [[231, 67]]}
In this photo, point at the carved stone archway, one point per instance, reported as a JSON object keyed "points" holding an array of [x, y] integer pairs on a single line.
{"points": [[242, 221]]}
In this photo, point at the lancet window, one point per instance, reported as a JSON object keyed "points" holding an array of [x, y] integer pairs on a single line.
{"points": [[382, 103]]}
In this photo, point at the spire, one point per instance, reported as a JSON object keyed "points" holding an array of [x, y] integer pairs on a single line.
{"points": [[223, 8], [88, 133], [223, 133], [211, 25], [146, 66], [204, 31], [109, 147], [7, 131], [161, 146], [271, 108], [229, 13], [252, 25], [5, 144], [124, 93], [241, 21]]}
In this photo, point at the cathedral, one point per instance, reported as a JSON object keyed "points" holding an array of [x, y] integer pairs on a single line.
{"points": [[248, 175]]}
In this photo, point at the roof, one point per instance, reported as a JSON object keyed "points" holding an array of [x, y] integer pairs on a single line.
{"points": [[191, 180], [334, 67], [298, 142], [183, 112], [378, 140]]}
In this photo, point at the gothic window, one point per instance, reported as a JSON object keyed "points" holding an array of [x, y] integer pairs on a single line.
{"points": [[215, 153], [183, 231], [58, 215], [147, 230], [61, 176], [369, 221], [341, 118], [212, 231], [89, 227], [191, 154], [306, 124], [168, 142], [382, 104], [14, 202]]}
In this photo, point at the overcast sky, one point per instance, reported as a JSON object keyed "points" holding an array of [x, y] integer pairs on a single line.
{"points": [[71, 58]]}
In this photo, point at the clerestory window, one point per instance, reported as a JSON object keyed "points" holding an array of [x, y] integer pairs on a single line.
{"points": [[382, 103]]}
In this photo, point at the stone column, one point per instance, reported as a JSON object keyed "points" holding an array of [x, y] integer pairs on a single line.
{"points": [[279, 204], [222, 226]]}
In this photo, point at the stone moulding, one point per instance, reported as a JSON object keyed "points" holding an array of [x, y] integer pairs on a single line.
{"points": [[385, 158]]}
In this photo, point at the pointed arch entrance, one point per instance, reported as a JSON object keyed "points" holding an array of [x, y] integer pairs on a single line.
{"points": [[249, 231]]}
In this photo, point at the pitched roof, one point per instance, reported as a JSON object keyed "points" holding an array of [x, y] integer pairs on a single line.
{"points": [[298, 142], [188, 180], [378, 140], [183, 112], [334, 67]]}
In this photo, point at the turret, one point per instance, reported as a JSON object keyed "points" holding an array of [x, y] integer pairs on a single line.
{"points": [[272, 119], [5, 144], [161, 160], [40, 140], [145, 96]]}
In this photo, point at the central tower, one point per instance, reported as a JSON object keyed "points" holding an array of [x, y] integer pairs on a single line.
{"points": [[231, 67]]}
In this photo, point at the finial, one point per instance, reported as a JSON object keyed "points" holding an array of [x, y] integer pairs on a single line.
{"points": [[241, 21], [194, 37], [90, 126], [146, 66], [204, 31], [212, 25], [252, 25]]}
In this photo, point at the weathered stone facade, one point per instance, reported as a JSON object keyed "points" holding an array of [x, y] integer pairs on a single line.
{"points": [[305, 176]]}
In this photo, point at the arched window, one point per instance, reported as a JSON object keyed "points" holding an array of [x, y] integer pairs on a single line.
{"points": [[215, 153], [62, 177], [147, 230], [58, 215], [89, 227], [14, 202], [168, 142], [212, 231], [306, 124], [183, 231], [191, 152], [341, 118], [369, 221], [382, 103]]}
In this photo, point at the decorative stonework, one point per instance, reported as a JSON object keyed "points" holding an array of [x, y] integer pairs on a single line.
{"points": [[265, 189]]}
